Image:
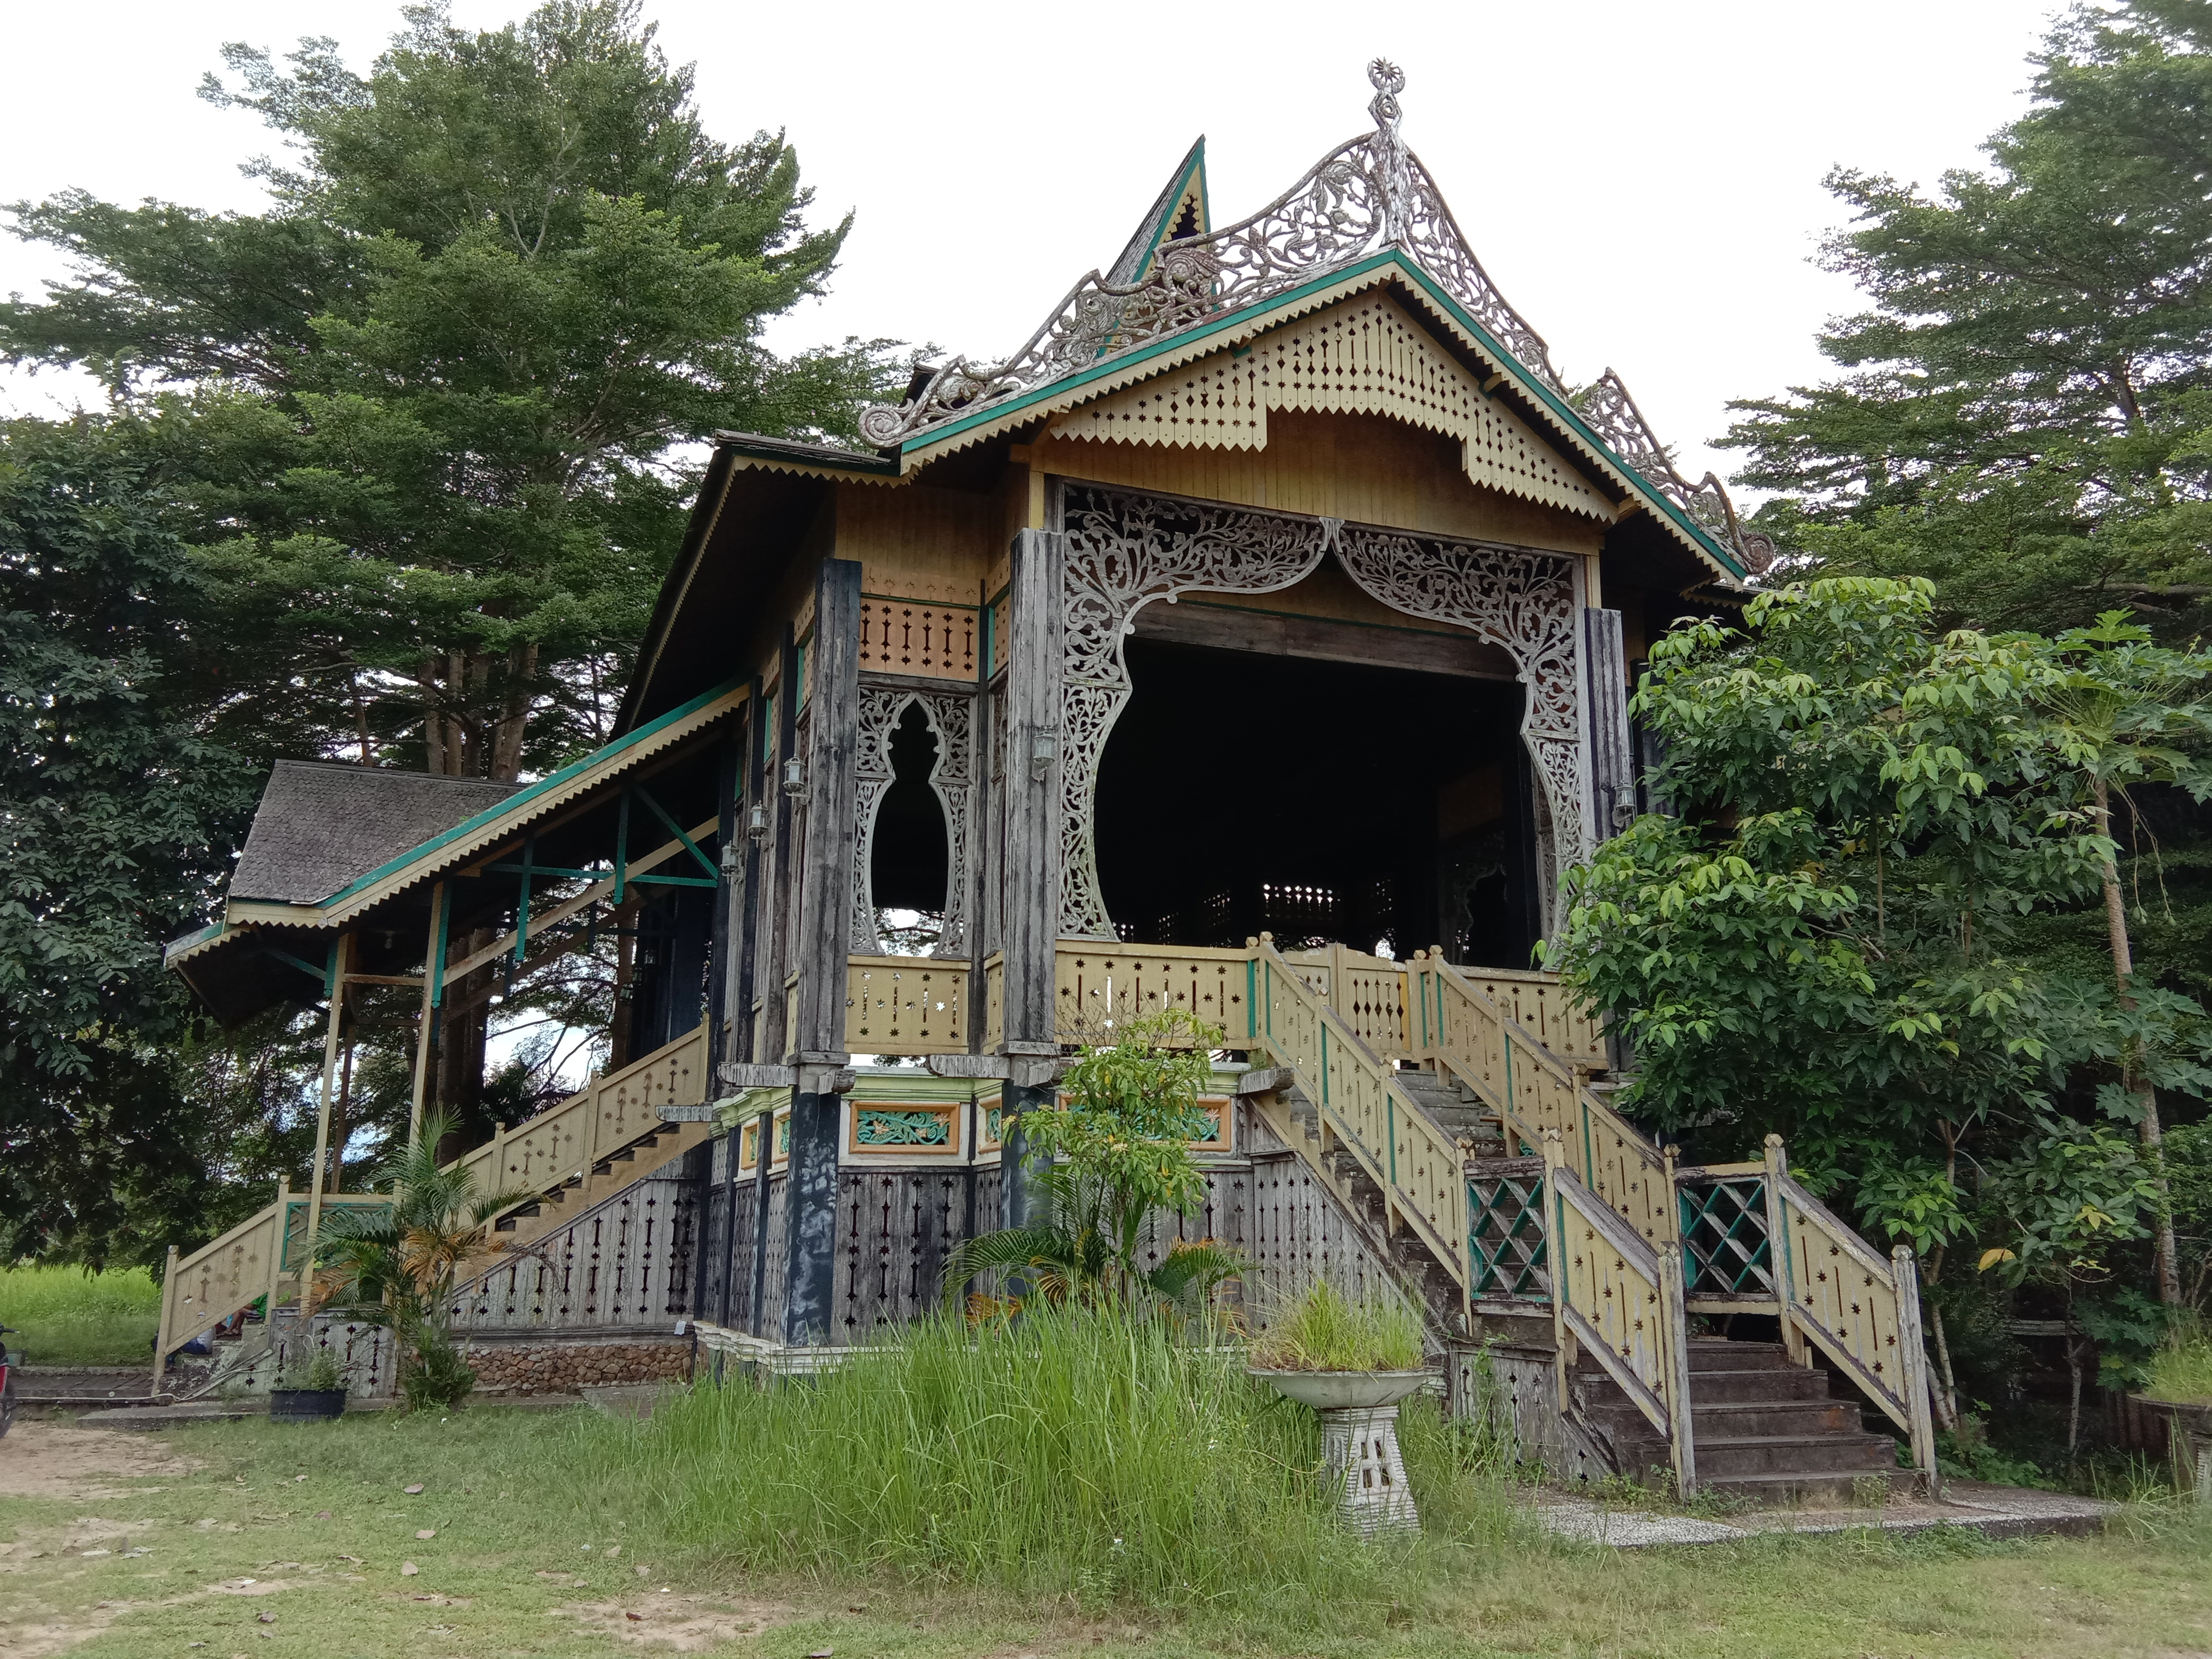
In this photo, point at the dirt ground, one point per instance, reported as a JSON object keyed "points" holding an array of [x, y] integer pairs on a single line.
{"points": [[41, 1459]]}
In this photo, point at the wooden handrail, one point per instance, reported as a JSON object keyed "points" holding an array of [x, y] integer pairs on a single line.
{"points": [[1364, 1108], [1621, 1301], [1870, 1329], [605, 1114], [1532, 1090]]}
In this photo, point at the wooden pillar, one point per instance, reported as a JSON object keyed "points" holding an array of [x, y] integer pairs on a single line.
{"points": [[434, 975], [1605, 704], [819, 952], [341, 965], [745, 912], [1030, 871]]}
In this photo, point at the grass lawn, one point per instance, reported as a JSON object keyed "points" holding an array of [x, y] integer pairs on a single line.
{"points": [[552, 1533], [71, 1317]]}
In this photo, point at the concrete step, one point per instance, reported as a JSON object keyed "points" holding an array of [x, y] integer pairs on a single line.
{"points": [[1815, 1489]]}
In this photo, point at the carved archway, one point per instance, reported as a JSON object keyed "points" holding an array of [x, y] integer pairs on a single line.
{"points": [[951, 716], [1125, 549]]}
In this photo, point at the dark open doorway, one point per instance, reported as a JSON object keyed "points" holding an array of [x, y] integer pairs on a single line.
{"points": [[1318, 801]]}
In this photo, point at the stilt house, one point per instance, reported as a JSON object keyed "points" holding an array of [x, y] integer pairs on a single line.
{"points": [[1256, 640]]}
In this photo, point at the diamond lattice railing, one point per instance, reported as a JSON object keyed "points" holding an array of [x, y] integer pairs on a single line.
{"points": [[1505, 1235], [1726, 1251]]}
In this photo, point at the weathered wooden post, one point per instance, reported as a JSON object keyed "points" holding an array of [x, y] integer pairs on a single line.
{"points": [[817, 1045], [1030, 870]]}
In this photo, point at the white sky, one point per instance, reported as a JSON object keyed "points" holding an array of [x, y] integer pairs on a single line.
{"points": [[1641, 180]]}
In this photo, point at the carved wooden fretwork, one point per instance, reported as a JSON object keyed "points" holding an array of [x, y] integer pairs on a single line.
{"points": [[1125, 549], [1365, 196], [951, 718], [1362, 356], [1525, 601]]}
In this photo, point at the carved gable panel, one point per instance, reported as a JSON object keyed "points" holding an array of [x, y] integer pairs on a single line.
{"points": [[1362, 356]]}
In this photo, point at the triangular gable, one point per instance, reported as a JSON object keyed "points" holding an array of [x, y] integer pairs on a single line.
{"points": [[1180, 210], [1364, 356]]}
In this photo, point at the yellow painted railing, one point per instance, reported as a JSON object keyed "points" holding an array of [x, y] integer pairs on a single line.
{"points": [[1099, 987], [1619, 1300], [1860, 1310], [1469, 1035], [1367, 992], [266, 1254], [258, 1257], [1539, 1005], [1363, 1107], [906, 1005], [603, 1117]]}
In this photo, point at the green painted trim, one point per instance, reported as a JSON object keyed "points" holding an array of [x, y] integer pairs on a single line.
{"points": [[304, 966], [901, 1087], [1510, 365], [492, 815], [677, 830], [1251, 997]]}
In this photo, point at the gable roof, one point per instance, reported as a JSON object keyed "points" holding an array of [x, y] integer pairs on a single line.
{"points": [[321, 824], [1182, 197], [357, 891], [1368, 204]]}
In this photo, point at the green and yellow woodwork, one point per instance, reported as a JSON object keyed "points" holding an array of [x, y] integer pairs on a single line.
{"points": [[1256, 639]]}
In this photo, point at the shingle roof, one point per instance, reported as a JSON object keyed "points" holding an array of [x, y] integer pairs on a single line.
{"points": [[321, 825]]}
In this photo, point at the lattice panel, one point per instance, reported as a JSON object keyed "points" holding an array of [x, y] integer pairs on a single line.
{"points": [[1505, 1232], [1725, 1248], [1361, 357], [904, 636]]}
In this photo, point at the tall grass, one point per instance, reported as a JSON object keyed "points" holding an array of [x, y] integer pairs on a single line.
{"points": [[1322, 1332], [69, 1317], [1080, 1453], [2182, 1373]]}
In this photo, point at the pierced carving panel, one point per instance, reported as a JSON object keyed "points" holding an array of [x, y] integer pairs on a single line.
{"points": [[1369, 194], [951, 721], [1124, 551], [1522, 601]]}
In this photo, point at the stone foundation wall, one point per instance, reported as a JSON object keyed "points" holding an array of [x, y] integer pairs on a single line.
{"points": [[555, 1367]]}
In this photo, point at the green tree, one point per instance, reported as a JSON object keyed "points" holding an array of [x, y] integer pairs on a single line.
{"points": [[1825, 942], [429, 411], [2024, 414], [1116, 1155], [117, 815]]}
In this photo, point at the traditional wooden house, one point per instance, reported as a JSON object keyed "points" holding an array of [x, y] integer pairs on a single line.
{"points": [[1256, 640]]}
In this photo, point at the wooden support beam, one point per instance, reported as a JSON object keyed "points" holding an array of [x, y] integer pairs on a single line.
{"points": [[819, 954], [341, 960], [602, 888], [425, 1035], [1029, 869]]}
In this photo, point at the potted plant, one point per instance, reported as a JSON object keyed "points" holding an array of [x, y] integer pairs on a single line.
{"points": [[1352, 1363], [315, 1392]]}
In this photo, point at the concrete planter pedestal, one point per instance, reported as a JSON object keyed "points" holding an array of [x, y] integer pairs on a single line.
{"points": [[1359, 1436]]}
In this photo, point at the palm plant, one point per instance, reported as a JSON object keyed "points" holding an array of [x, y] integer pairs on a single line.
{"points": [[1118, 1152], [396, 1265]]}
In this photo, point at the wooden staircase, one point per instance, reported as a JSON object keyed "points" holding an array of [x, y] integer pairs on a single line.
{"points": [[606, 1135], [1765, 1429], [1387, 1075], [523, 1225]]}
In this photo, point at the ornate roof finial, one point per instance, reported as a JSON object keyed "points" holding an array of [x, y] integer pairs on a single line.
{"points": [[1388, 80], [1394, 179]]}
